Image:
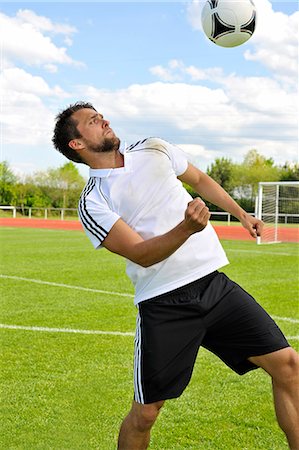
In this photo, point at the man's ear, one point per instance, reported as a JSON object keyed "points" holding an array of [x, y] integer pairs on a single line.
{"points": [[76, 144]]}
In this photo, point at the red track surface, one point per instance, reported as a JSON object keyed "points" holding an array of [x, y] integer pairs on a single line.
{"points": [[41, 223], [223, 231]]}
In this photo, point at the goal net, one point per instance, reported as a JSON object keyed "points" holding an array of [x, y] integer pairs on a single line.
{"points": [[278, 207]]}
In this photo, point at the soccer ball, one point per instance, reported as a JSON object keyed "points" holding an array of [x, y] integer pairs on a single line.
{"points": [[228, 23]]}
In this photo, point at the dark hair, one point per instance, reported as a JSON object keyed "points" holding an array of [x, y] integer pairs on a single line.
{"points": [[66, 129]]}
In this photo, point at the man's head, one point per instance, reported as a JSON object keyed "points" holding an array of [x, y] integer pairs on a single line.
{"points": [[80, 130]]}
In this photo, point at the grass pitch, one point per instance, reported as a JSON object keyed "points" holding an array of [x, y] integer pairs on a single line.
{"points": [[70, 391]]}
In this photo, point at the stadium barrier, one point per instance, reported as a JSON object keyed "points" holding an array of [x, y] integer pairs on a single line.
{"points": [[71, 213]]}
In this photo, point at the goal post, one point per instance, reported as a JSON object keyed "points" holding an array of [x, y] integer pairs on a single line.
{"points": [[9, 208], [278, 207]]}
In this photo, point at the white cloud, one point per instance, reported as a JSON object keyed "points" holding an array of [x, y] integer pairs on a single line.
{"points": [[26, 99], [164, 73], [25, 117], [196, 150], [196, 74], [21, 169], [194, 9], [279, 150], [42, 23], [249, 100], [177, 71], [51, 68], [26, 120], [275, 42], [18, 80], [240, 114], [261, 95], [14, 80], [207, 123], [199, 155], [181, 105], [24, 39]]}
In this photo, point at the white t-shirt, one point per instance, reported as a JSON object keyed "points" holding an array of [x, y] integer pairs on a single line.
{"points": [[148, 196]]}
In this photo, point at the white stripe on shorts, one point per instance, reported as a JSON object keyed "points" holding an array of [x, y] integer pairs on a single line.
{"points": [[137, 362]]}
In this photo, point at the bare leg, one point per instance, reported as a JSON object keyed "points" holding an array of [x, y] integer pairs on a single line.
{"points": [[283, 367], [135, 430]]}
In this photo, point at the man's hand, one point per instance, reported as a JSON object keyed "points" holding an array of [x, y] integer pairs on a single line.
{"points": [[124, 241], [196, 216], [214, 193], [252, 224]]}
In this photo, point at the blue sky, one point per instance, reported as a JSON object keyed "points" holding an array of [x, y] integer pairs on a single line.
{"points": [[148, 67]]}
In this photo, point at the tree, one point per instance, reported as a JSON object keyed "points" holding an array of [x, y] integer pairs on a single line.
{"points": [[67, 179], [255, 168], [63, 184], [30, 195], [8, 182], [289, 172], [222, 171]]}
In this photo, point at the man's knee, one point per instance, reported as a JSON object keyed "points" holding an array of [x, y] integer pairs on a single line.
{"points": [[289, 368], [144, 416], [283, 365]]}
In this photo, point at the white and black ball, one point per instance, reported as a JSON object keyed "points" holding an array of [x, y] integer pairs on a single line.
{"points": [[229, 23]]}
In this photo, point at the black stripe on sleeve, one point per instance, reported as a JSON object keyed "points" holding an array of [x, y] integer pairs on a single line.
{"points": [[135, 145], [162, 149], [132, 146], [87, 220]]}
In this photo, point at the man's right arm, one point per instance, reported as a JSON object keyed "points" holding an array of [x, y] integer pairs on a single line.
{"points": [[124, 241]]}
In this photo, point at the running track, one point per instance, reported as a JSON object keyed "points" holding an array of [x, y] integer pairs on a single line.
{"points": [[223, 231]]}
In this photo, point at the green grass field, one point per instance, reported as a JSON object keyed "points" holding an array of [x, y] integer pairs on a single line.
{"points": [[70, 391]]}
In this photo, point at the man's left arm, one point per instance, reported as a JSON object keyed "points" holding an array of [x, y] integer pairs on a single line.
{"points": [[207, 188]]}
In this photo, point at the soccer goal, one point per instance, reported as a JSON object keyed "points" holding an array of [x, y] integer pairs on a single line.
{"points": [[9, 208], [278, 206]]}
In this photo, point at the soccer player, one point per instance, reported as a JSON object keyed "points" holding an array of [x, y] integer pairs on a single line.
{"points": [[134, 204]]}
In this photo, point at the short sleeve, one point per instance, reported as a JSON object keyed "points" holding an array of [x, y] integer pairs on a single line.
{"points": [[95, 215], [177, 156]]}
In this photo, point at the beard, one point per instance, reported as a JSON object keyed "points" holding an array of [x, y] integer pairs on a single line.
{"points": [[108, 144]]}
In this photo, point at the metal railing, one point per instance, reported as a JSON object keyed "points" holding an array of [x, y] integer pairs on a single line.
{"points": [[63, 213], [46, 213]]}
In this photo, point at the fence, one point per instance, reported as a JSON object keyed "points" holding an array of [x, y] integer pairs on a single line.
{"points": [[46, 213], [71, 213]]}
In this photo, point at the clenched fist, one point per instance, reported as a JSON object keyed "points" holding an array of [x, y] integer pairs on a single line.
{"points": [[197, 216]]}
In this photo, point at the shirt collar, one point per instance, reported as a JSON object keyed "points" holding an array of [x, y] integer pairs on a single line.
{"points": [[103, 173]]}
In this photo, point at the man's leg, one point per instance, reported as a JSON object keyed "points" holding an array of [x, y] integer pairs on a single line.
{"points": [[283, 367], [135, 430]]}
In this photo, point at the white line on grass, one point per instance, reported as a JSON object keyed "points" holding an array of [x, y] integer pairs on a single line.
{"points": [[285, 319], [100, 291], [69, 286], [71, 330], [260, 251], [64, 330]]}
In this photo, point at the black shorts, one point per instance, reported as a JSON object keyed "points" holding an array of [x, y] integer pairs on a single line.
{"points": [[213, 312]]}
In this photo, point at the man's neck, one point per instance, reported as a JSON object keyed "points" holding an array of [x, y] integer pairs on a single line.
{"points": [[109, 160]]}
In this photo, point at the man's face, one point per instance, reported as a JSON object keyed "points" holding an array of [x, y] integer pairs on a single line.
{"points": [[96, 134]]}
